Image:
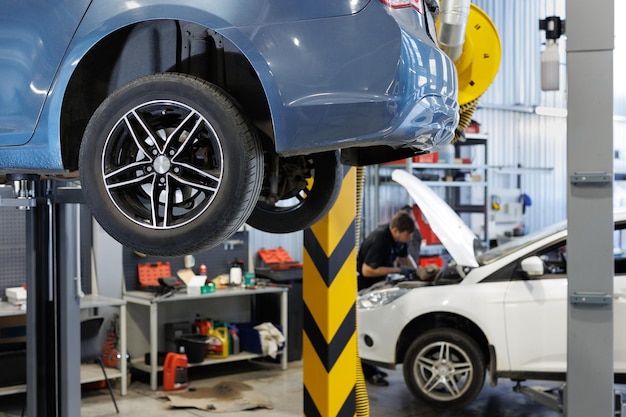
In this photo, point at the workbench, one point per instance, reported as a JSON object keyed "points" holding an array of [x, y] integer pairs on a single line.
{"points": [[147, 313]]}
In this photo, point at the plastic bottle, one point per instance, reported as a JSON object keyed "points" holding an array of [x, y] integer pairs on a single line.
{"points": [[249, 279], [217, 343], [550, 64], [234, 342], [235, 276], [202, 325], [175, 376]]}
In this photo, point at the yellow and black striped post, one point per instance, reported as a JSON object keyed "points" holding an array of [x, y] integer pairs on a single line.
{"points": [[329, 293]]}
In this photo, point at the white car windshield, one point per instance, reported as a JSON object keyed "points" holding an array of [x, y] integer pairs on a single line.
{"points": [[519, 242]]}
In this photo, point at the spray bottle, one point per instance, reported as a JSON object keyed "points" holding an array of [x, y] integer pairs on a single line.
{"points": [[235, 276]]}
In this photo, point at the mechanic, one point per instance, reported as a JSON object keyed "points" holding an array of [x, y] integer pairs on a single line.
{"points": [[381, 249], [415, 244], [386, 247]]}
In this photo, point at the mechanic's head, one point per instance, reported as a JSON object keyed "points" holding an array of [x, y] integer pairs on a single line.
{"points": [[402, 226]]}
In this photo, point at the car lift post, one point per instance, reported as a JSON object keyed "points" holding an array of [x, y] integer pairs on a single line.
{"points": [[53, 309], [590, 388], [329, 291]]}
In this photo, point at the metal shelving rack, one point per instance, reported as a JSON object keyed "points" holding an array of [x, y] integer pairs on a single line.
{"points": [[466, 190], [468, 197]]}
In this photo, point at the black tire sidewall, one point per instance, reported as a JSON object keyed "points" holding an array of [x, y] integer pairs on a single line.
{"points": [[465, 343], [241, 159], [322, 196]]}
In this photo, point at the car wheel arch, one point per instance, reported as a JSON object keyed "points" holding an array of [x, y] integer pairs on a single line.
{"points": [[435, 320], [96, 76]]}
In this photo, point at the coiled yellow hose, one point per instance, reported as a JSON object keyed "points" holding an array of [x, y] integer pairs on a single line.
{"points": [[362, 402], [465, 118]]}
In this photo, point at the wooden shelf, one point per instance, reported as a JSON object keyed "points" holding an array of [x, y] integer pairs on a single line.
{"points": [[91, 372], [13, 389], [88, 373], [139, 363], [12, 316]]}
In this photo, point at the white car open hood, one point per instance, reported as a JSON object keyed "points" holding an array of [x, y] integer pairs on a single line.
{"points": [[451, 230]]}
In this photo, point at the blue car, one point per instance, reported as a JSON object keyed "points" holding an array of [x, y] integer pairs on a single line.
{"points": [[185, 119]]}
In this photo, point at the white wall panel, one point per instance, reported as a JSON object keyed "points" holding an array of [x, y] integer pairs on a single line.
{"points": [[531, 150]]}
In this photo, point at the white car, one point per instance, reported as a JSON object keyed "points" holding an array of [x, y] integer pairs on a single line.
{"points": [[504, 310]]}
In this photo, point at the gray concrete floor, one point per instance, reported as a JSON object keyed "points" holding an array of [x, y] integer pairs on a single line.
{"points": [[284, 389]]}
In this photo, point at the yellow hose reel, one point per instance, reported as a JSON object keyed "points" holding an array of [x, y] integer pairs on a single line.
{"points": [[478, 64]]}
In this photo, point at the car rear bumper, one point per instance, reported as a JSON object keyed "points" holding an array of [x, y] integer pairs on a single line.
{"points": [[390, 86]]}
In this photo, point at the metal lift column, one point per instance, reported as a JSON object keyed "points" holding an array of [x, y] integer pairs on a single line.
{"points": [[590, 208], [53, 313]]}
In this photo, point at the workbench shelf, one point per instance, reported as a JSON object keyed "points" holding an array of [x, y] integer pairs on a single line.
{"points": [[147, 314], [139, 363], [88, 372]]}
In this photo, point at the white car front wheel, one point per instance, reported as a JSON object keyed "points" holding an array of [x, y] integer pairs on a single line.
{"points": [[445, 368]]}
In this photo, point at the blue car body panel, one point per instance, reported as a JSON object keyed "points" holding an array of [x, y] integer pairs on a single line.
{"points": [[34, 36], [335, 74]]}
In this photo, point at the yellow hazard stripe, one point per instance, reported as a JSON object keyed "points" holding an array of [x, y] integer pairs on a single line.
{"points": [[329, 291]]}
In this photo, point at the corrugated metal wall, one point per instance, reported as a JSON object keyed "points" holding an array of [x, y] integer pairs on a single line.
{"points": [[517, 134], [518, 137]]}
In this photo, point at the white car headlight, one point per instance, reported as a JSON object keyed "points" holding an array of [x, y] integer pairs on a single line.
{"points": [[378, 298]]}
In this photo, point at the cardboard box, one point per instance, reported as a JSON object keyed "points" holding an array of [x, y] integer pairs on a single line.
{"points": [[16, 295], [194, 286]]}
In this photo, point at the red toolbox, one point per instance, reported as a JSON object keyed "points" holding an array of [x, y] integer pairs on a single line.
{"points": [[277, 265], [149, 273], [277, 259]]}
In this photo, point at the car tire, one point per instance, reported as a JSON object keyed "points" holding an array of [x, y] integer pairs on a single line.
{"points": [[444, 368], [169, 166], [308, 188]]}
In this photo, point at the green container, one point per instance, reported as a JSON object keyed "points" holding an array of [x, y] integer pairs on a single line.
{"points": [[249, 279]]}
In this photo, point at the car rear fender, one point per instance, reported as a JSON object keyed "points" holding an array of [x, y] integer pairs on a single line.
{"points": [[251, 33], [110, 48]]}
